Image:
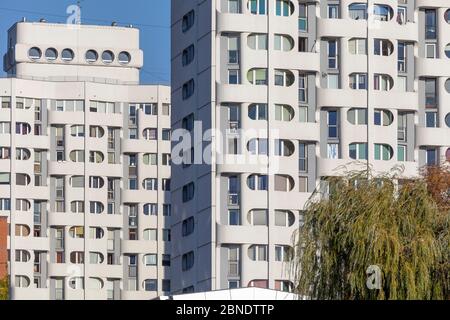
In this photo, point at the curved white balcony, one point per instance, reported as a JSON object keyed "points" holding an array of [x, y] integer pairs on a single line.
{"points": [[228, 22], [341, 97], [293, 60], [139, 247], [241, 234], [241, 93], [432, 67], [294, 130], [341, 28], [439, 137], [395, 100]]}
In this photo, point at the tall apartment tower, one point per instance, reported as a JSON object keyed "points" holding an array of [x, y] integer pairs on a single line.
{"points": [[3, 248], [333, 82], [84, 165]]}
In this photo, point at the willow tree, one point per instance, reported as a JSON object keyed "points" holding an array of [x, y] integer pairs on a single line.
{"points": [[364, 227], [4, 289]]}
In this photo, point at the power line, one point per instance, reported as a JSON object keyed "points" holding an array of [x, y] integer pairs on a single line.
{"points": [[153, 75], [144, 25]]}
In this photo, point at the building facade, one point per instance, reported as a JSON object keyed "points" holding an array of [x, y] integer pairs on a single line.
{"points": [[308, 89], [85, 165], [3, 248]]}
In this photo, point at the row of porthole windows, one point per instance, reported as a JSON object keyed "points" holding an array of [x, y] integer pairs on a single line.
{"points": [[67, 55]]}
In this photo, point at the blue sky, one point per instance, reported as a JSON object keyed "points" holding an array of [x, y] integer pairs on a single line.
{"points": [[152, 17]]}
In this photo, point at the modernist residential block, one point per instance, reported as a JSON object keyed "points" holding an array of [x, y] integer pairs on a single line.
{"points": [[331, 82], [3, 248], [84, 165]]}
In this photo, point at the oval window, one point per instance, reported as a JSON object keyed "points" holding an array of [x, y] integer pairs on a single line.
{"points": [[107, 56], [67, 55], [91, 56], [124, 57], [34, 53], [51, 54]]}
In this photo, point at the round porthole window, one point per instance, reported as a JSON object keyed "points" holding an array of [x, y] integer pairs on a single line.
{"points": [[51, 54], [107, 56], [447, 16], [67, 55], [124, 57], [447, 120], [91, 56], [34, 53]]}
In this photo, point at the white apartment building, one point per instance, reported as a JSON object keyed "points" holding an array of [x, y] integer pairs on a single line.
{"points": [[331, 81], [84, 165]]}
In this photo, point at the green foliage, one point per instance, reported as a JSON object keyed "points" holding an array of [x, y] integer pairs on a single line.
{"points": [[4, 289], [402, 231]]}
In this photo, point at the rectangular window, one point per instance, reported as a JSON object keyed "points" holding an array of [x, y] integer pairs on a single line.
{"points": [[234, 218], [430, 93], [333, 11], [151, 109], [166, 109], [132, 133], [333, 123], [401, 126], [432, 157], [402, 83], [257, 6], [401, 65], [302, 44], [302, 17], [303, 184], [357, 46], [233, 76], [431, 119], [233, 49], [303, 157], [302, 88], [401, 15], [401, 153], [165, 262], [167, 210], [430, 50], [358, 11], [430, 24], [332, 54], [358, 81], [234, 6], [166, 235], [303, 114], [333, 81], [333, 151]]}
